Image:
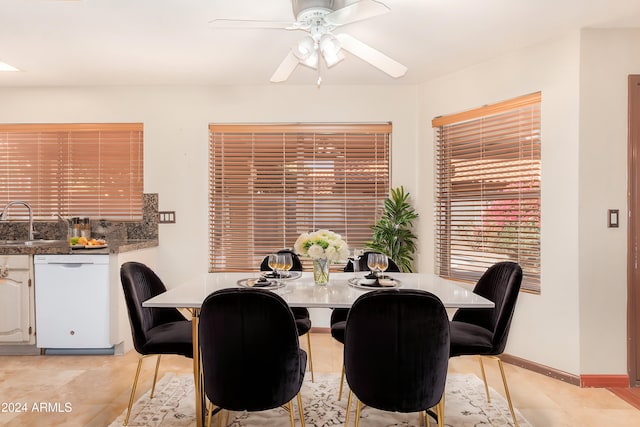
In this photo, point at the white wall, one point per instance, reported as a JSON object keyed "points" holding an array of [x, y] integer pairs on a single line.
{"points": [[176, 137], [578, 322], [545, 327], [607, 58]]}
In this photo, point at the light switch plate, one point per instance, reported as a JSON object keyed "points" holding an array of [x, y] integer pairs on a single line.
{"points": [[167, 217], [614, 218]]}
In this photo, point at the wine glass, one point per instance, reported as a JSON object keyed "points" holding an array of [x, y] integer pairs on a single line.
{"points": [[280, 262], [372, 262], [285, 262], [377, 263], [383, 263], [273, 263]]}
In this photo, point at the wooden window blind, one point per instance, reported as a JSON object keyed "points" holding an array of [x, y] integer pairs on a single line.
{"points": [[487, 206], [270, 183], [93, 170]]}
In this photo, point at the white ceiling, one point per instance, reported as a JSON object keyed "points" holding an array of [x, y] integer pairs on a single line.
{"points": [[169, 42]]}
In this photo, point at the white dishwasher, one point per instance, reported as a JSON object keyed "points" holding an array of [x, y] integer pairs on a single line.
{"points": [[72, 302]]}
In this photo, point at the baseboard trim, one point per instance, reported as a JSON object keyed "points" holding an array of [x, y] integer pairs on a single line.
{"points": [[19, 350], [599, 381], [628, 394], [604, 381], [541, 369]]}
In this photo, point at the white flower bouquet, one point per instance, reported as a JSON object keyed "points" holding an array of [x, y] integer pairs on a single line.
{"points": [[322, 244]]}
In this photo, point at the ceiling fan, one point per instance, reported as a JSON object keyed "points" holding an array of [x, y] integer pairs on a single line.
{"points": [[319, 18]]}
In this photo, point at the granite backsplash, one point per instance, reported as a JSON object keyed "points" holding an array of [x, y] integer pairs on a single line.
{"points": [[147, 229]]}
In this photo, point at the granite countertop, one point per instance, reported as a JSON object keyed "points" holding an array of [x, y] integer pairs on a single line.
{"points": [[61, 247]]}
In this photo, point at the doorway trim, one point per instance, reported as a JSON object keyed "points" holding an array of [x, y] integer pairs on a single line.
{"points": [[633, 215]]}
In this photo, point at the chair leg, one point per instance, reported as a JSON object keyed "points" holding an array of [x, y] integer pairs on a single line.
{"points": [[290, 409], [310, 358], [506, 391], [155, 378], [346, 419], [358, 409], [440, 412], [133, 391], [209, 414], [211, 410], [484, 378], [504, 382], [300, 409], [135, 384], [341, 383], [441, 403], [436, 412]]}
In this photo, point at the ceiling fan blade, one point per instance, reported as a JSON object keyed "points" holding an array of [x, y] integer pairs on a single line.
{"points": [[285, 68], [359, 11], [250, 23], [371, 55]]}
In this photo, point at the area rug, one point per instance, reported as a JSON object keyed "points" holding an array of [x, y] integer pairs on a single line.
{"points": [[465, 406]]}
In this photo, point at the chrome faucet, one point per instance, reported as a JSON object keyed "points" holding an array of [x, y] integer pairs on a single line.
{"points": [[5, 210]]}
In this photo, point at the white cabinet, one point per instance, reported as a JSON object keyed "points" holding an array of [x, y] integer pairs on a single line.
{"points": [[72, 301], [16, 299]]}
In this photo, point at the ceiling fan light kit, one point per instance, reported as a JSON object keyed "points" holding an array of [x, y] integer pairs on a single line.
{"points": [[306, 52], [331, 47], [319, 18]]}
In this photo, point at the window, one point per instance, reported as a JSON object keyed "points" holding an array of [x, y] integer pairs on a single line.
{"points": [[269, 183], [93, 170], [488, 190]]}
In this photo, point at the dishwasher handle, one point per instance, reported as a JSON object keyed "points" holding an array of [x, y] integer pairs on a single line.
{"points": [[70, 264]]}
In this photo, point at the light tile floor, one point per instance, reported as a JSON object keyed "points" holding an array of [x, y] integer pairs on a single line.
{"points": [[97, 389]]}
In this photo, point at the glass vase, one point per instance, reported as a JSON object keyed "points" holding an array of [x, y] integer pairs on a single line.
{"points": [[321, 271]]}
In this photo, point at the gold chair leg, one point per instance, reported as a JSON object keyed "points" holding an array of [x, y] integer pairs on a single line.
{"points": [[506, 391], [346, 419], [358, 409], [300, 409], [133, 391], [440, 412], [226, 417], [155, 378], [422, 417], [209, 413], [310, 358], [290, 409], [484, 378], [341, 383]]}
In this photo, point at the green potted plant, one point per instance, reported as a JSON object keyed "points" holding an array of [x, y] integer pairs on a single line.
{"points": [[393, 233]]}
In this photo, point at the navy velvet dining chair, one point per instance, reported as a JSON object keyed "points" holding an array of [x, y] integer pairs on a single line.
{"points": [[396, 352], [251, 357], [301, 314], [484, 331]]}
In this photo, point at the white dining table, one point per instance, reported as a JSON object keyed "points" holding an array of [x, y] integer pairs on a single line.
{"points": [[301, 292]]}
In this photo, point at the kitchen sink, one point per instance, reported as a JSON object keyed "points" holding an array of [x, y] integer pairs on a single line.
{"points": [[38, 242]]}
